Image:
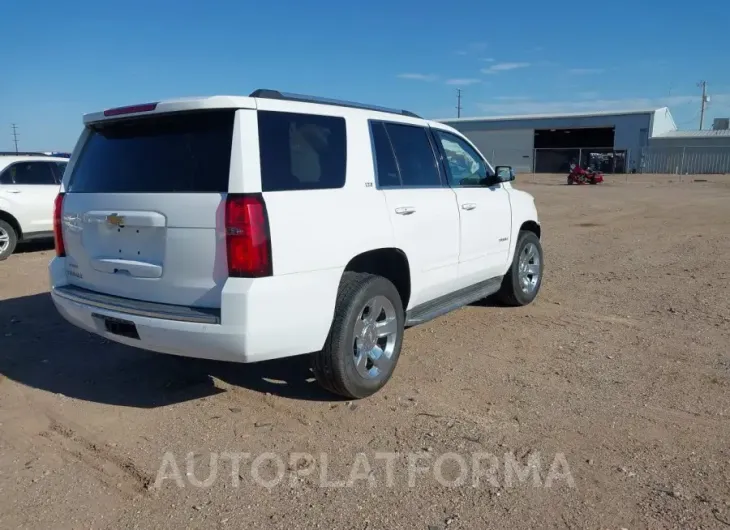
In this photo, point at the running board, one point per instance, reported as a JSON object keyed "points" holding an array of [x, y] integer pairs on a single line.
{"points": [[450, 302]]}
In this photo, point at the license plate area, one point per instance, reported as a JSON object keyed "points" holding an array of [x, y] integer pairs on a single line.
{"points": [[126, 235], [118, 326]]}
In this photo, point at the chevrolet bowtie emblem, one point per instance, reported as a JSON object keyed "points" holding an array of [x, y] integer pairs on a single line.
{"points": [[114, 219]]}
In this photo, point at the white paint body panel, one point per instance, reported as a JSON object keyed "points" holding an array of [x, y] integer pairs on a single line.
{"points": [[324, 229], [181, 234], [485, 224], [429, 238], [30, 205], [523, 210], [179, 255]]}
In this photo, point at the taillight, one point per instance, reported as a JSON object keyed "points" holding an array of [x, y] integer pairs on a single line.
{"points": [[58, 226], [248, 241], [131, 109]]}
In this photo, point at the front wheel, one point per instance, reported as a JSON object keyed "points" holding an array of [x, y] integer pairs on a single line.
{"points": [[524, 277], [365, 339]]}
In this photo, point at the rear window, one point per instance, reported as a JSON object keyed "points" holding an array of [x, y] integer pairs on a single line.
{"points": [[301, 151], [182, 152]]}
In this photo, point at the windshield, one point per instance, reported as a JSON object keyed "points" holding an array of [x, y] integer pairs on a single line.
{"points": [[181, 152]]}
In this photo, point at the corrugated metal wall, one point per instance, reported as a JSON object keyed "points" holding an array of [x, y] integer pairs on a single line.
{"points": [[686, 159], [632, 133], [505, 148]]}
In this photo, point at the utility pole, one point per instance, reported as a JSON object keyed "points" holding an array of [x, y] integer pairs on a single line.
{"points": [[458, 103], [705, 99], [15, 136]]}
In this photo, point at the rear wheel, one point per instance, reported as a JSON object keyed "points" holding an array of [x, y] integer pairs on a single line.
{"points": [[524, 277], [365, 340], [8, 240]]}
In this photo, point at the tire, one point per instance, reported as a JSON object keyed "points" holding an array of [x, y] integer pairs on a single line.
{"points": [[512, 292], [336, 367], [8, 240], [570, 181]]}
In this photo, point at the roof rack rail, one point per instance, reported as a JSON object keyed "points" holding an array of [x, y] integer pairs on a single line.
{"points": [[275, 94], [22, 153]]}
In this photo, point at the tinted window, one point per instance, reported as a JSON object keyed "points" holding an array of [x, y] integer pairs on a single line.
{"points": [[24, 173], [413, 151], [301, 151], [5, 177], [59, 168], [387, 169], [181, 152], [464, 165]]}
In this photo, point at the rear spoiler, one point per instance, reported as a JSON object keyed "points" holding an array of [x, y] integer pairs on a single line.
{"points": [[165, 107]]}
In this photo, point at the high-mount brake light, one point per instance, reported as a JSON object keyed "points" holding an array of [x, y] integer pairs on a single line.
{"points": [[131, 109], [58, 226], [248, 240]]}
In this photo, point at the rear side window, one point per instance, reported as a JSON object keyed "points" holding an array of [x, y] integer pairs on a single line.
{"points": [[414, 154], [180, 152], [29, 173], [301, 151], [387, 169]]}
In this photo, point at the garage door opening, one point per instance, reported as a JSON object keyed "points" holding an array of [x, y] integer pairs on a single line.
{"points": [[557, 149]]}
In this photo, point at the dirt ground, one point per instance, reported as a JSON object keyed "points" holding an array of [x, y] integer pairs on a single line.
{"points": [[614, 386]]}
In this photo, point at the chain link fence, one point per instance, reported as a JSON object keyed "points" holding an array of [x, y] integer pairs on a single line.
{"points": [[685, 160], [673, 160], [600, 159], [559, 160]]}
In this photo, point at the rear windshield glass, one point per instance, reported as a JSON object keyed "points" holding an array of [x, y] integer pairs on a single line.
{"points": [[182, 152]]}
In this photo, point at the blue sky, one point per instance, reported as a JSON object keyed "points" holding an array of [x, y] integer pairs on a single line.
{"points": [[62, 59]]}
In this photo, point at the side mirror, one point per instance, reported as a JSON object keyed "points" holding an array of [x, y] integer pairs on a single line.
{"points": [[504, 173]]}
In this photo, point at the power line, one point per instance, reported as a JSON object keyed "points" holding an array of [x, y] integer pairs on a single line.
{"points": [[458, 103], [691, 120], [705, 99], [15, 136]]}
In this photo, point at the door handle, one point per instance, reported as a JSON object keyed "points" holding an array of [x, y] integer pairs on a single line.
{"points": [[468, 206], [405, 210], [13, 191]]}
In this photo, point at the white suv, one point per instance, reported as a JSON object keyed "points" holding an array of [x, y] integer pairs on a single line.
{"points": [[29, 184], [252, 228]]}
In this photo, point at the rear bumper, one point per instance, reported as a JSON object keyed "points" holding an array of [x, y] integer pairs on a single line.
{"points": [[206, 341], [137, 307], [259, 319]]}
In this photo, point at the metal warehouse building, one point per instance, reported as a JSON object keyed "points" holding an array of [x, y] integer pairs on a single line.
{"points": [[548, 143], [679, 152]]}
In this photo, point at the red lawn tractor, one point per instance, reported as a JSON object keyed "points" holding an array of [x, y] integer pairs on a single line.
{"points": [[578, 175]]}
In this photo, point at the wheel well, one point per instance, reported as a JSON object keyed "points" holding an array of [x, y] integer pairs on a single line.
{"points": [[5, 216], [531, 226], [390, 263]]}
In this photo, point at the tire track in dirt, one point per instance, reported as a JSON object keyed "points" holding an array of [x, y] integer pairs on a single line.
{"points": [[37, 421], [114, 470]]}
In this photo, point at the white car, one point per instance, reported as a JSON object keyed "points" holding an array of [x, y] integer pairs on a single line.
{"points": [[252, 228], [29, 184]]}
